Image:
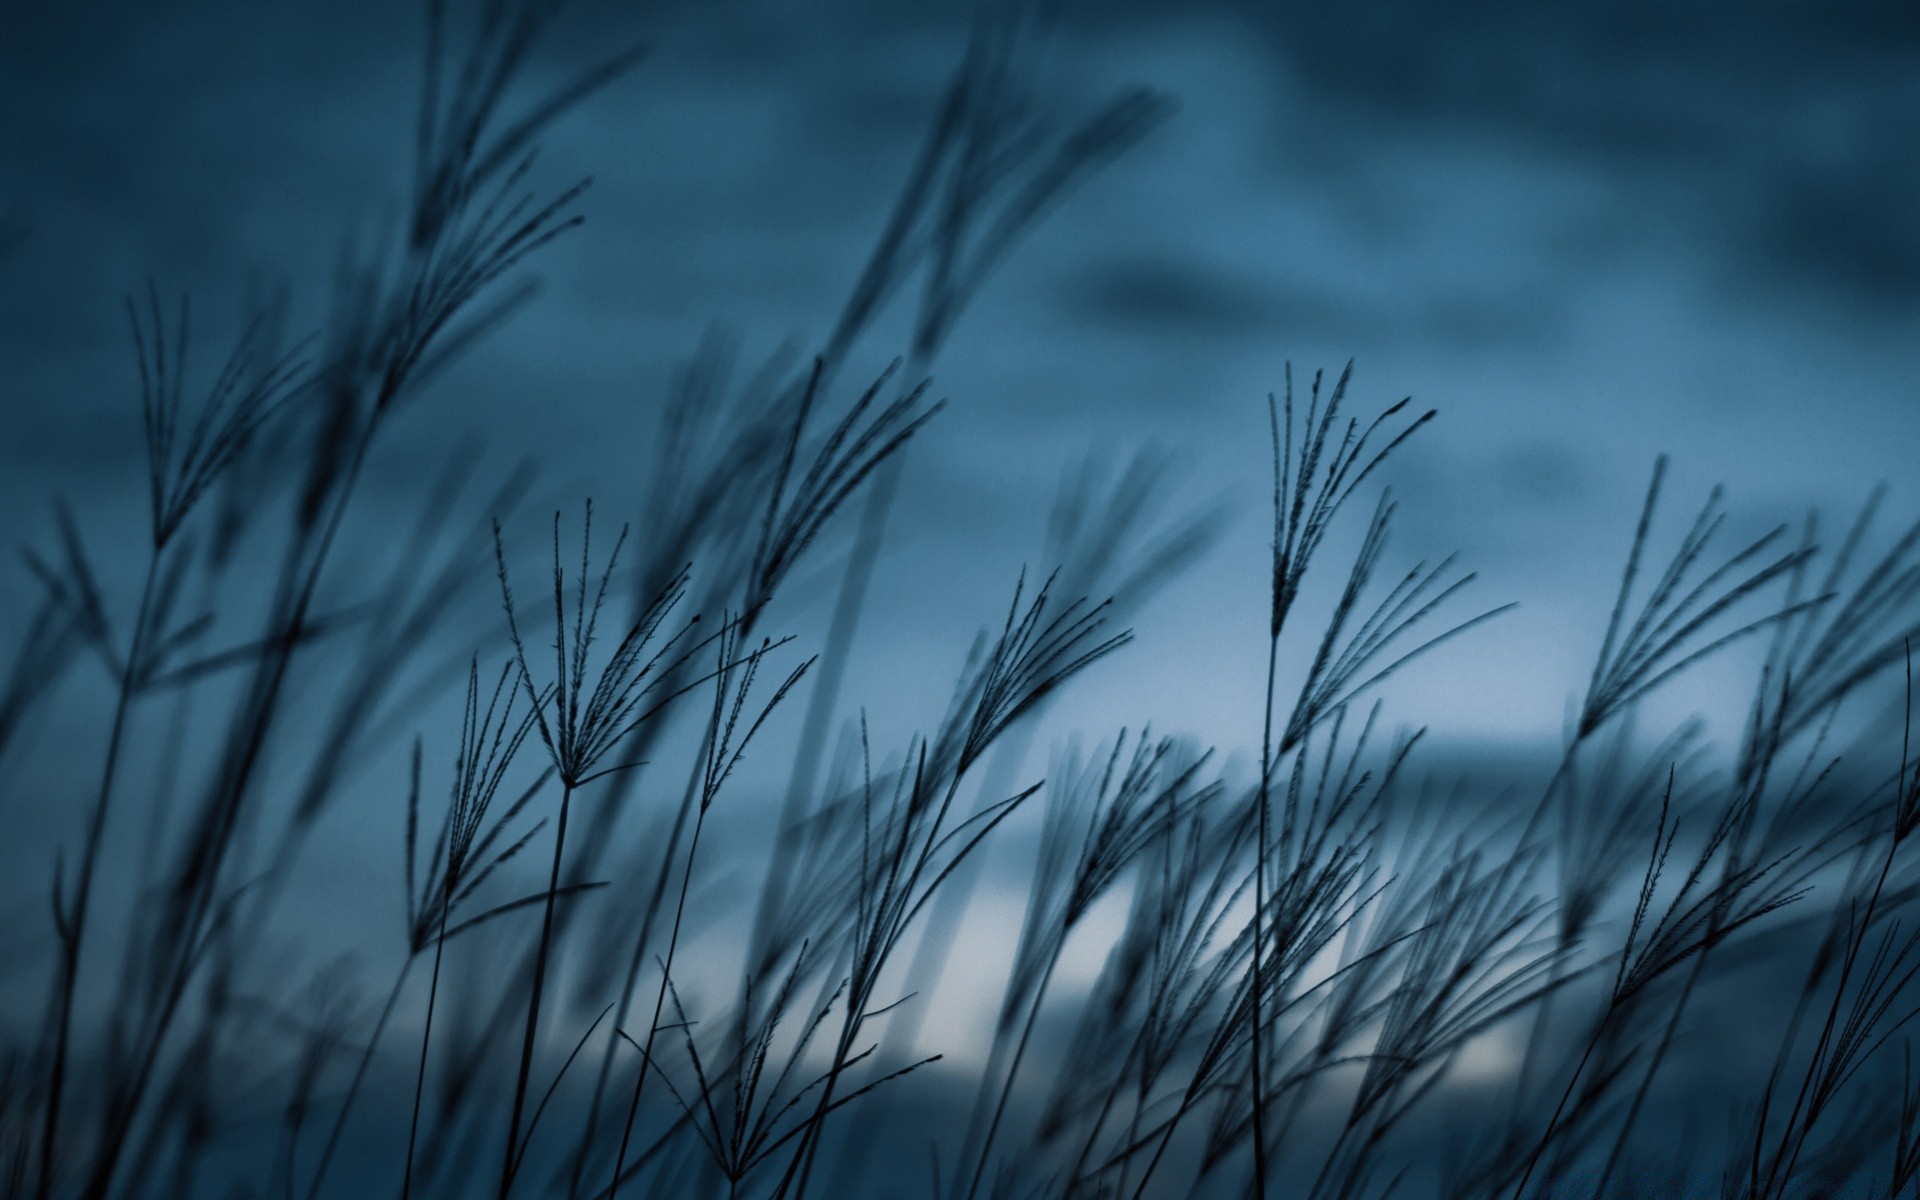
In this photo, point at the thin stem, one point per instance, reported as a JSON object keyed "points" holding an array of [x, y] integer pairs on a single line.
{"points": [[659, 1002], [262, 703], [1553, 1123], [1112, 1097], [539, 989], [1013, 1069], [359, 1077], [810, 1142], [1540, 1025], [1260, 924], [1653, 1067], [632, 981], [73, 923], [1791, 1142], [426, 1040]]}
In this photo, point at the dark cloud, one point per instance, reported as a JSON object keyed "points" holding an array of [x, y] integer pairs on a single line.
{"points": [[1782, 131], [1854, 230], [1183, 298], [1168, 294]]}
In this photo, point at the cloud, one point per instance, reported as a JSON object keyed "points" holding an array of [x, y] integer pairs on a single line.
{"points": [[1795, 121]]}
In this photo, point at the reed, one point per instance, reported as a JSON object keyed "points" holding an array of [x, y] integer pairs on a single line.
{"points": [[1314, 964]]}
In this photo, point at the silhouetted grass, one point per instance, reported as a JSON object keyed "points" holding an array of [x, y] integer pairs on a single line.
{"points": [[1328, 974]]}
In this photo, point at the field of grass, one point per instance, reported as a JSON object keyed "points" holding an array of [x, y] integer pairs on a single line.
{"points": [[662, 914]]}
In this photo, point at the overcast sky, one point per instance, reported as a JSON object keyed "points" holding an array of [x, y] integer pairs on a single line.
{"points": [[1585, 233]]}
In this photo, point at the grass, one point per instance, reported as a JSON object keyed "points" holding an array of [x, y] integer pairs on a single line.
{"points": [[1333, 974]]}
